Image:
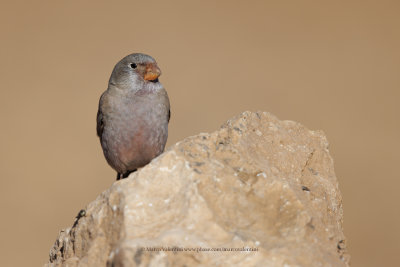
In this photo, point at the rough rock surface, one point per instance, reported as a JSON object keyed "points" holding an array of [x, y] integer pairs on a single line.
{"points": [[258, 184]]}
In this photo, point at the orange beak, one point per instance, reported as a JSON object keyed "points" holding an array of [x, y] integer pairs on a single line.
{"points": [[152, 72]]}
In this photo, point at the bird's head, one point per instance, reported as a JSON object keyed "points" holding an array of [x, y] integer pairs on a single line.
{"points": [[134, 71]]}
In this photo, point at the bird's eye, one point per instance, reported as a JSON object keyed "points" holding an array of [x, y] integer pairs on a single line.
{"points": [[133, 66]]}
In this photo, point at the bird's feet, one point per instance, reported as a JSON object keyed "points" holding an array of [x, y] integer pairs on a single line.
{"points": [[124, 175]]}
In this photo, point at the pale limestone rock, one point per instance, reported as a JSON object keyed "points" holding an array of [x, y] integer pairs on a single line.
{"points": [[258, 182]]}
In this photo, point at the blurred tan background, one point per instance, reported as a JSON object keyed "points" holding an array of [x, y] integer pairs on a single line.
{"points": [[331, 66]]}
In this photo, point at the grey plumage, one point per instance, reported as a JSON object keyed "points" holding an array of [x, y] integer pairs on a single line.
{"points": [[133, 115]]}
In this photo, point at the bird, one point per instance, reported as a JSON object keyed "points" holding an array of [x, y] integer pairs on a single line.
{"points": [[133, 114]]}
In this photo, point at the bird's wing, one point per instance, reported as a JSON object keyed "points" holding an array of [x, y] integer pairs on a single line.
{"points": [[100, 122], [169, 114]]}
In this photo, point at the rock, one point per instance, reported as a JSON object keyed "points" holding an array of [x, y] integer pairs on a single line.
{"points": [[263, 188]]}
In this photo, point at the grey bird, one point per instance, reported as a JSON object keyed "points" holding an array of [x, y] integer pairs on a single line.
{"points": [[133, 115]]}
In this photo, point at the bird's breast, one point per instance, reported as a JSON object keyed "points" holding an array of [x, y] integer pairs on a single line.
{"points": [[137, 128]]}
